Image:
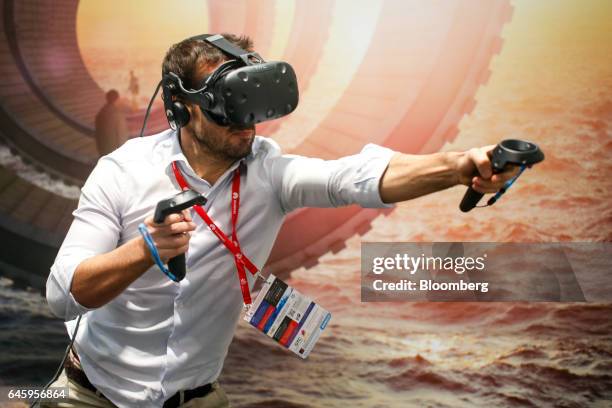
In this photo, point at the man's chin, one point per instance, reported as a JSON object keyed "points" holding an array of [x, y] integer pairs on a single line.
{"points": [[241, 146]]}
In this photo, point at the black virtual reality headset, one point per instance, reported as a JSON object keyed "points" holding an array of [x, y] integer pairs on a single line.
{"points": [[241, 92]]}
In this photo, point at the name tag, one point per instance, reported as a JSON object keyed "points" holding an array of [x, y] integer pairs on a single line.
{"points": [[290, 318]]}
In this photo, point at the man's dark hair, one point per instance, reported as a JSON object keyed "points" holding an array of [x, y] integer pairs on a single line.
{"points": [[184, 57]]}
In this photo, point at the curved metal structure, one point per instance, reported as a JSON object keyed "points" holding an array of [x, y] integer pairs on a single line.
{"points": [[409, 92]]}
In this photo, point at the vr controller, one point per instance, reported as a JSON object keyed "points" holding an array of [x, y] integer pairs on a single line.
{"points": [[173, 205], [508, 152]]}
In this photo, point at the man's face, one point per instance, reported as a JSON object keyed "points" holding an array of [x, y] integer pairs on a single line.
{"points": [[225, 142]]}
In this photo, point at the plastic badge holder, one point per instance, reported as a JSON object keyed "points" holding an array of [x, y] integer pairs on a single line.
{"points": [[292, 319]]}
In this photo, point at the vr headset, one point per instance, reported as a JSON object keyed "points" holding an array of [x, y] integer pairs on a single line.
{"points": [[241, 92]]}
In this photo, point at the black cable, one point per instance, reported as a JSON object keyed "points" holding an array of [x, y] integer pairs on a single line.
{"points": [[61, 366], [144, 122]]}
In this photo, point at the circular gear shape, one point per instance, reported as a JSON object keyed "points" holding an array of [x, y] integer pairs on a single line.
{"points": [[411, 76]]}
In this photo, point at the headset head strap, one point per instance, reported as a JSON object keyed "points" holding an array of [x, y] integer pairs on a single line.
{"points": [[220, 42]]}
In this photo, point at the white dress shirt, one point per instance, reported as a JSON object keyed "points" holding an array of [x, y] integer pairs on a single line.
{"points": [[158, 336]]}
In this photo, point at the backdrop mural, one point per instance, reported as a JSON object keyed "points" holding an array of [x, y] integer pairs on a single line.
{"points": [[404, 74]]}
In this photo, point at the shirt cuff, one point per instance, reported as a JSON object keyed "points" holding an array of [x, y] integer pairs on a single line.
{"points": [[60, 298], [375, 162]]}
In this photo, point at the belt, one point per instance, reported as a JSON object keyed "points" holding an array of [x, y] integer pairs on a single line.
{"points": [[75, 373], [175, 400]]}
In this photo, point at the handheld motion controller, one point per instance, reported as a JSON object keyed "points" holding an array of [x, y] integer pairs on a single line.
{"points": [[508, 152], [181, 201]]}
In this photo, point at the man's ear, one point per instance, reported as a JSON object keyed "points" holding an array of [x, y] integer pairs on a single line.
{"points": [[194, 109], [189, 107]]}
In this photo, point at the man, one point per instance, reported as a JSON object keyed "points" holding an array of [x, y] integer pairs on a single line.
{"points": [[111, 128], [147, 341]]}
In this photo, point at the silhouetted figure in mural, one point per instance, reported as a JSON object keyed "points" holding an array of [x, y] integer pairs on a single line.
{"points": [[111, 127], [134, 88]]}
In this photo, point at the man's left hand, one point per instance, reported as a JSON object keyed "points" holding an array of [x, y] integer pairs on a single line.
{"points": [[475, 170]]}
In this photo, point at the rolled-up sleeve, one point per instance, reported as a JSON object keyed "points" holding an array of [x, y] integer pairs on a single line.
{"points": [[311, 182], [95, 230]]}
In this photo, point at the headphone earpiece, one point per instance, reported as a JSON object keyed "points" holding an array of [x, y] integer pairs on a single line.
{"points": [[176, 111], [180, 114]]}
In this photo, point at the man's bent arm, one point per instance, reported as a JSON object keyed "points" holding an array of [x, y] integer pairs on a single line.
{"points": [[91, 269], [99, 279], [95, 230]]}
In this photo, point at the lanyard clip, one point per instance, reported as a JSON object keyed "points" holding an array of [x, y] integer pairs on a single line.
{"points": [[258, 276], [248, 306]]}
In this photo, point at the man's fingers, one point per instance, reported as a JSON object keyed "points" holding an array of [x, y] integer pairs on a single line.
{"points": [[167, 254], [497, 181], [484, 186], [480, 158], [172, 229], [170, 219], [171, 237], [173, 241], [180, 227], [488, 185], [184, 215], [489, 149], [509, 173], [491, 186]]}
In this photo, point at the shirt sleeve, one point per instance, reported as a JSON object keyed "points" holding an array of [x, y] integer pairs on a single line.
{"points": [[95, 230], [312, 182]]}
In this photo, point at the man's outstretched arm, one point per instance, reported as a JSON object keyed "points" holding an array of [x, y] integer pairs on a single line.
{"points": [[411, 176]]}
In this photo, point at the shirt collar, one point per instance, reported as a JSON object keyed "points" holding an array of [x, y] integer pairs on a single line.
{"points": [[175, 153]]}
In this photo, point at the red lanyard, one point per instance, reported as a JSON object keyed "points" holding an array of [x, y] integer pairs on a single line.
{"points": [[232, 245]]}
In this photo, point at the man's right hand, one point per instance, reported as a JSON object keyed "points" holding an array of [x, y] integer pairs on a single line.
{"points": [[172, 236], [101, 278]]}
